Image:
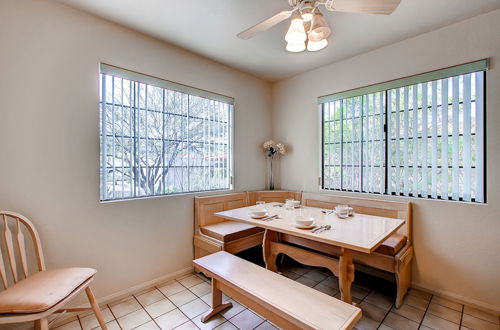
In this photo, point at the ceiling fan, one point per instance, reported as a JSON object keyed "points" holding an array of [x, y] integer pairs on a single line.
{"points": [[308, 24]]}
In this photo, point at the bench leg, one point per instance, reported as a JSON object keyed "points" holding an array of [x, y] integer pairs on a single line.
{"points": [[217, 305], [346, 275], [403, 276], [269, 258]]}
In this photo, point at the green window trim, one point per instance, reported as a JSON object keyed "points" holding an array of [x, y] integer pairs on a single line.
{"points": [[481, 65], [158, 82]]}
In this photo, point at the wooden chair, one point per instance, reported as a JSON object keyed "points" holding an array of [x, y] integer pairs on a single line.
{"points": [[29, 296], [393, 256], [272, 196], [214, 234]]}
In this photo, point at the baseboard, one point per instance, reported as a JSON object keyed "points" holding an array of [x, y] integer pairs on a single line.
{"points": [[140, 287], [459, 298], [127, 292]]}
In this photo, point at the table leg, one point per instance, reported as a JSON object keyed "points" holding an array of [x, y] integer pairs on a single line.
{"points": [[269, 258], [217, 305], [346, 275]]}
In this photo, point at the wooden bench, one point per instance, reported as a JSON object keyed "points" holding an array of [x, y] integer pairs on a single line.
{"points": [[392, 257], [213, 234], [286, 303]]}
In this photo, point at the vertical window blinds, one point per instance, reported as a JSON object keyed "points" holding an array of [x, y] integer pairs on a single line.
{"points": [[160, 138], [421, 136]]}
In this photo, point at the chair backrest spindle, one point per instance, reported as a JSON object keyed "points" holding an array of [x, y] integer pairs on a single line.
{"points": [[15, 245], [10, 249]]}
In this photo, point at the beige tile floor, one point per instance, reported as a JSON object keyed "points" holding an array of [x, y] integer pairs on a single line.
{"points": [[179, 304]]}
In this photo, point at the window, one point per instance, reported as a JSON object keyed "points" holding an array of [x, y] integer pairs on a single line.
{"points": [[161, 138], [421, 136]]}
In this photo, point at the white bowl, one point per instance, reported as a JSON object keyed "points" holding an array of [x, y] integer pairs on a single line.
{"points": [[304, 221]]}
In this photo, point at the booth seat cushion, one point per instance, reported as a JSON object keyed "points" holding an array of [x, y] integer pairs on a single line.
{"points": [[43, 290], [392, 245], [230, 230]]}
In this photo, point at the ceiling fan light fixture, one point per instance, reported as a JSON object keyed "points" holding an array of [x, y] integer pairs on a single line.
{"points": [[296, 33], [314, 46], [319, 27], [296, 47]]}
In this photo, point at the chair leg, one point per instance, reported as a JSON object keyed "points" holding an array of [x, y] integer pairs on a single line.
{"points": [[95, 308], [42, 324]]}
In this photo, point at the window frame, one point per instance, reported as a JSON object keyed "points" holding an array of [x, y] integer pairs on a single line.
{"points": [[427, 77], [175, 87]]}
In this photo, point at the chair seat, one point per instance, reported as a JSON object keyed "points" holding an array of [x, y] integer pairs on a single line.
{"points": [[230, 230], [392, 245], [43, 290]]}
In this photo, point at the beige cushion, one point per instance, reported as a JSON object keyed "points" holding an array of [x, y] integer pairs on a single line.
{"points": [[392, 245], [230, 230], [41, 291]]}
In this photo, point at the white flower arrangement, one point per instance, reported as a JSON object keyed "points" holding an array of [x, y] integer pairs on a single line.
{"points": [[271, 148]]}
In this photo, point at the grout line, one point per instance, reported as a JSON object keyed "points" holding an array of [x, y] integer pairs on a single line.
{"points": [[79, 321], [144, 309], [385, 316], [178, 307], [425, 313], [114, 316], [261, 323], [462, 315]]}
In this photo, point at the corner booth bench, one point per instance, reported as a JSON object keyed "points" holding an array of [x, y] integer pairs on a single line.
{"points": [[391, 259], [213, 234]]}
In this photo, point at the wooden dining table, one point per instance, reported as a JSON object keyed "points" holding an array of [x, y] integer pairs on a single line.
{"points": [[359, 232]]}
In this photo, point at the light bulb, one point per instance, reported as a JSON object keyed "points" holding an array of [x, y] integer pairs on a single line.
{"points": [[319, 27], [296, 47], [296, 33], [314, 46]]}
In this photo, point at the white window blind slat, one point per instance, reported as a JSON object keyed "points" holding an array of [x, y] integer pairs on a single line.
{"points": [[354, 137], [467, 148], [381, 143], [398, 142], [373, 130], [425, 165], [455, 137], [434, 140], [415, 141], [406, 144], [444, 139], [479, 79]]}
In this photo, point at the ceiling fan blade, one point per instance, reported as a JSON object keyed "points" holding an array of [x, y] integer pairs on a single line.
{"points": [[381, 7], [266, 24]]}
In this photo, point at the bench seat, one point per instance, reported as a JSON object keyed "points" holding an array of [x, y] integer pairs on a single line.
{"points": [[228, 231], [286, 303]]}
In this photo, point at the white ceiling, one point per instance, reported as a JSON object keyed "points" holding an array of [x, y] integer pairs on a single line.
{"points": [[209, 28]]}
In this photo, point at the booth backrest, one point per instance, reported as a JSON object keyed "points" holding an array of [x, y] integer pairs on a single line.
{"points": [[389, 209], [205, 207], [272, 196]]}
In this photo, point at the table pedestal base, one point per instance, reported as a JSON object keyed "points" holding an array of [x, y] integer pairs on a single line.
{"points": [[343, 267]]}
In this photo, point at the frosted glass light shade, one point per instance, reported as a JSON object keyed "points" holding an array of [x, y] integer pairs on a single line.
{"points": [[319, 27], [296, 33], [314, 46], [296, 47]]}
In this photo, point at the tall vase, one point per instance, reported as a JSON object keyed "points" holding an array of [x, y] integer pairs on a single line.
{"points": [[271, 175]]}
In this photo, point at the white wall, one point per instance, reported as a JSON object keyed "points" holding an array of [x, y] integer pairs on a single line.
{"points": [[49, 141], [457, 250]]}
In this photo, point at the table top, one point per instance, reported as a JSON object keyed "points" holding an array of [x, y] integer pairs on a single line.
{"points": [[360, 232]]}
